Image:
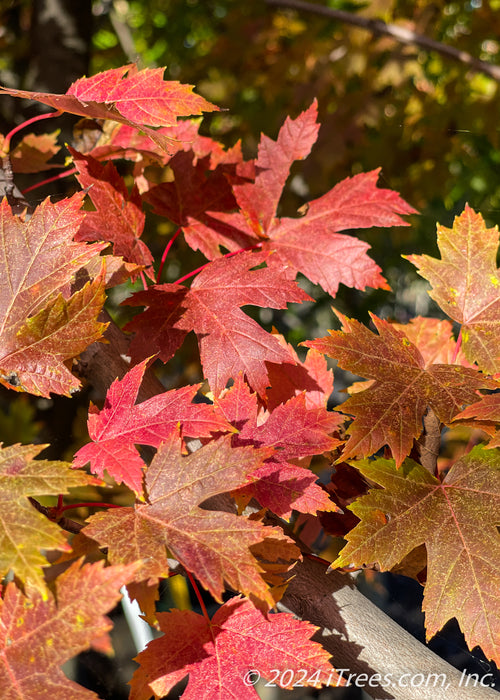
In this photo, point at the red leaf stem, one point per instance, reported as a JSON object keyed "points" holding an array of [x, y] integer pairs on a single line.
{"points": [[28, 122], [166, 252], [143, 280], [198, 595], [59, 176]]}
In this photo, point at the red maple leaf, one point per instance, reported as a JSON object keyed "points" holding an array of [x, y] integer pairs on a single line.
{"points": [[220, 655], [310, 377], [457, 521], [216, 546], [41, 323], [472, 298], [390, 410], [137, 99], [33, 153], [118, 217], [38, 635], [142, 96], [122, 423], [311, 243], [230, 341], [294, 432], [197, 201]]}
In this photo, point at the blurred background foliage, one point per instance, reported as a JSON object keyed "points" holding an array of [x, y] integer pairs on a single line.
{"points": [[431, 123]]}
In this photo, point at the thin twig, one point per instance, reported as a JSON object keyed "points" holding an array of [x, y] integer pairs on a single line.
{"points": [[430, 442], [9, 189], [65, 523], [400, 34], [8, 178]]}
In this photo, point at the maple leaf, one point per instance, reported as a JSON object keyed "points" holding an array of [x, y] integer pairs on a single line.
{"points": [[24, 532], [292, 429], [310, 243], [38, 635], [122, 423], [294, 432], [456, 519], [259, 200], [283, 487], [40, 327], [215, 546], [218, 654], [466, 284], [143, 96], [434, 339], [196, 201], [138, 99], [118, 217], [229, 340], [310, 377], [33, 153], [390, 410], [485, 415]]}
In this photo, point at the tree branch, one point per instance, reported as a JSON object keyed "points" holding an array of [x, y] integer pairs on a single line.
{"points": [[65, 523], [363, 639], [400, 34]]}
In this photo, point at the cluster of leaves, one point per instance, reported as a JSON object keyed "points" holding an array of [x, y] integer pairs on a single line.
{"points": [[225, 512]]}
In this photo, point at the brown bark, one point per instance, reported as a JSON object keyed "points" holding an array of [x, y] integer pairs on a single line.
{"points": [[363, 639]]}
